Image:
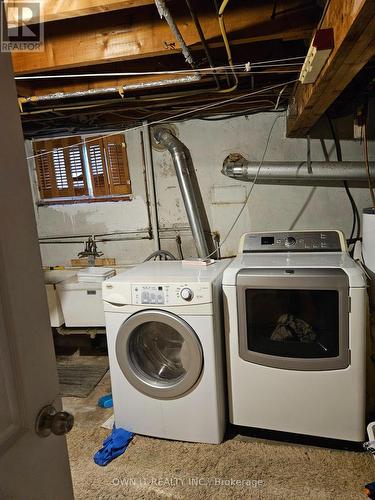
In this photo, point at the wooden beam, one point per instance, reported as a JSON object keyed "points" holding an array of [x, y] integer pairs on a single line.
{"points": [[121, 36], [62, 9], [353, 22]]}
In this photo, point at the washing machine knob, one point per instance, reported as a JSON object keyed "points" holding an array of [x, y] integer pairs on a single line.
{"points": [[187, 294]]}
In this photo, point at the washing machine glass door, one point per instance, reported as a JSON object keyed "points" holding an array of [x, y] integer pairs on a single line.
{"points": [[159, 354]]}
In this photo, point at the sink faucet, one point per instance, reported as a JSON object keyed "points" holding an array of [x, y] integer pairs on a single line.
{"points": [[90, 251]]}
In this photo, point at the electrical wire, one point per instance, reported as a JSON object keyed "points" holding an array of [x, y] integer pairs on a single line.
{"points": [[245, 112], [279, 97], [239, 67], [206, 47], [323, 14], [178, 115], [279, 60], [250, 190], [262, 105], [355, 212], [365, 151], [205, 72], [151, 111]]}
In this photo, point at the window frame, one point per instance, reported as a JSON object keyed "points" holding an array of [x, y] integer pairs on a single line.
{"points": [[88, 196]]}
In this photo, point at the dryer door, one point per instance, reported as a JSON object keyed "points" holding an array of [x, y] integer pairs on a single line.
{"points": [[159, 354], [294, 319]]}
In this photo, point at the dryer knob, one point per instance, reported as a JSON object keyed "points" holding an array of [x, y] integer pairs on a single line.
{"points": [[187, 294]]}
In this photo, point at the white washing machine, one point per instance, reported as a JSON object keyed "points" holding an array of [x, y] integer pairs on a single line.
{"points": [[295, 306], [166, 350]]}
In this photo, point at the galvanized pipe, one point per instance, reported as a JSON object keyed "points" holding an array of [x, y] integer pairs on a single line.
{"points": [[150, 176], [181, 160], [164, 12], [112, 90], [244, 170]]}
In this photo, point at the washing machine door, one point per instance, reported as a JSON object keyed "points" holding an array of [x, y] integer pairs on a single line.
{"points": [[159, 354]]}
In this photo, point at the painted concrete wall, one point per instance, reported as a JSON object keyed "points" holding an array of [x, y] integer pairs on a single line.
{"points": [[271, 207]]}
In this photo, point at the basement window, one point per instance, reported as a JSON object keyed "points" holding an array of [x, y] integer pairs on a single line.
{"points": [[75, 169]]}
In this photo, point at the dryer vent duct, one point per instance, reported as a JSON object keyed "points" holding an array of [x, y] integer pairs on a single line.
{"points": [[190, 191], [237, 167]]}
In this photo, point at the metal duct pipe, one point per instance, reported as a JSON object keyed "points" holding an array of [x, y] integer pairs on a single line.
{"points": [[181, 160], [238, 168], [111, 90]]}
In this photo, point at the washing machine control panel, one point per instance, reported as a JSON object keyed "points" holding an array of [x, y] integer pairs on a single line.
{"points": [[293, 241], [171, 294]]}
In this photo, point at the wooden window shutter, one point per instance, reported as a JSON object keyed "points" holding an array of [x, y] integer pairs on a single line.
{"points": [[60, 169], [74, 157], [44, 172], [98, 170], [117, 164]]}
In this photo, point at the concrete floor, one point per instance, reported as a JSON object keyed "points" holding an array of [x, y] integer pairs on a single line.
{"points": [[153, 468]]}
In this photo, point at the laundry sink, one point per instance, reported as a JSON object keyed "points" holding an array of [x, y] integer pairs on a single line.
{"points": [[51, 278]]}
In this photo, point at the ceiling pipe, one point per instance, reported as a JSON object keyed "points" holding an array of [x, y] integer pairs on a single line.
{"points": [[237, 167], [185, 172], [164, 12], [122, 89], [110, 90]]}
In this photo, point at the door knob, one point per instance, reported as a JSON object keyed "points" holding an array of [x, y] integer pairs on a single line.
{"points": [[50, 421]]}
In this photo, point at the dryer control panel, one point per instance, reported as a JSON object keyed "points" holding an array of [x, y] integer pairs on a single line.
{"points": [[171, 294], [293, 241]]}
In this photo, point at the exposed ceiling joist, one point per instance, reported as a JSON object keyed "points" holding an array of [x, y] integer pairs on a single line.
{"points": [[56, 11], [353, 22], [45, 86], [121, 36]]}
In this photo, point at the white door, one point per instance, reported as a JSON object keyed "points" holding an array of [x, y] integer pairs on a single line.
{"points": [[31, 466]]}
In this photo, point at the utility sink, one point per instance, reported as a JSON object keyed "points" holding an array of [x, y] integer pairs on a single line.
{"points": [[95, 274], [51, 278]]}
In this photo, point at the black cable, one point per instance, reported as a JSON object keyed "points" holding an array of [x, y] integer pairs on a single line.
{"points": [[356, 217], [216, 6], [273, 15], [203, 40]]}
